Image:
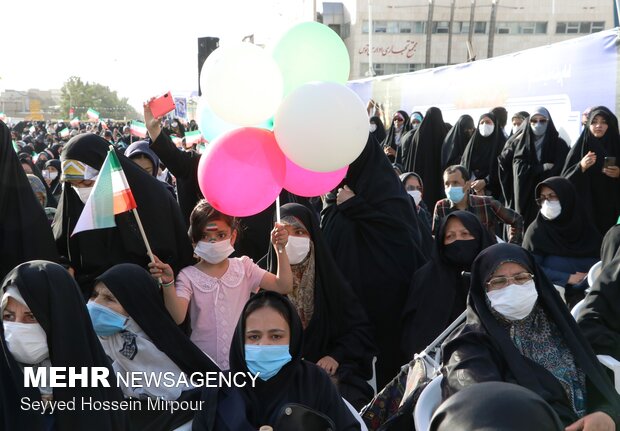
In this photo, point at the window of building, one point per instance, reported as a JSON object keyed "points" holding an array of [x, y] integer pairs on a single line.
{"points": [[379, 27], [521, 27], [404, 26], [441, 27], [395, 27], [480, 27], [391, 68], [584, 27]]}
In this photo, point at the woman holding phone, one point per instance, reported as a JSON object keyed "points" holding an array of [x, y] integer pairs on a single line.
{"points": [[591, 165]]}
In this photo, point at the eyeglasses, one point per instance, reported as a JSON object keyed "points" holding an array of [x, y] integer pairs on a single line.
{"points": [[544, 198], [541, 121], [400, 120], [501, 282]]}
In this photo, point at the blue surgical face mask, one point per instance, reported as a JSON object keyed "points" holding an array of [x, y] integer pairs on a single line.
{"points": [[539, 128], [266, 360], [106, 321], [455, 194]]}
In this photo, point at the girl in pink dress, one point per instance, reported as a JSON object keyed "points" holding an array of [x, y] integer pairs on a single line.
{"points": [[217, 287]]}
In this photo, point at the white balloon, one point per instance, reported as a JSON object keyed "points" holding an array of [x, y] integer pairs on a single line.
{"points": [[321, 126], [242, 84]]}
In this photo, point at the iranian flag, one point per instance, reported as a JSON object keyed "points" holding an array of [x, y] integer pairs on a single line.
{"points": [[111, 195], [177, 141], [138, 128], [104, 125], [71, 112], [64, 133], [92, 114], [192, 138], [75, 122]]}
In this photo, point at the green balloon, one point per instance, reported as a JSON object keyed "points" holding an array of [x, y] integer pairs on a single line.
{"points": [[311, 51]]}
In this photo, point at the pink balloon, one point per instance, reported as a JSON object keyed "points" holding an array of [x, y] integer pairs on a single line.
{"points": [[242, 171], [303, 182]]}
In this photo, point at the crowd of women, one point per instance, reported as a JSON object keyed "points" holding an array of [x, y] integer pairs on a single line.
{"points": [[338, 293]]}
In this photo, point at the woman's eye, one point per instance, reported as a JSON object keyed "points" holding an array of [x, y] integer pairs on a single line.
{"points": [[222, 236], [299, 232]]}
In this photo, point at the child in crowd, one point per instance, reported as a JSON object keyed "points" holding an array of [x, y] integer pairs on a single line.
{"points": [[217, 287]]}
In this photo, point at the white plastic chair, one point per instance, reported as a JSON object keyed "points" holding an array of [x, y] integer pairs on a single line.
{"points": [[357, 416], [594, 272], [185, 427], [373, 381], [429, 400], [614, 365], [577, 308]]}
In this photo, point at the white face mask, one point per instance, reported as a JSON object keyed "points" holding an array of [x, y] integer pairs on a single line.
{"points": [[27, 342], [53, 175], [515, 301], [486, 129], [214, 252], [551, 209], [416, 195], [372, 128], [162, 176], [415, 126], [297, 248], [83, 192]]}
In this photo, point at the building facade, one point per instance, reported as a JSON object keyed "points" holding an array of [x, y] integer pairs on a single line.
{"points": [[399, 36]]}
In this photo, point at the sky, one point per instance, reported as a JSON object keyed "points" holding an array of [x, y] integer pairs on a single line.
{"points": [[138, 48]]}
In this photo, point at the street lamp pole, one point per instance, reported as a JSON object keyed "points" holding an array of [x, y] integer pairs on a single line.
{"points": [[429, 33], [492, 26], [452, 5], [371, 70]]}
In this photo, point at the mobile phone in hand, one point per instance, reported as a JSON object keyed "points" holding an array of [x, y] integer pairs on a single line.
{"points": [[609, 161], [162, 105]]}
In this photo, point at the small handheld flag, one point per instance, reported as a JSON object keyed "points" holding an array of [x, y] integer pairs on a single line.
{"points": [[64, 133], [92, 114], [194, 137], [138, 128], [111, 195], [75, 122]]}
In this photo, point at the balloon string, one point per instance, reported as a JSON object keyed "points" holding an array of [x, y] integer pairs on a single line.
{"points": [[278, 217]]}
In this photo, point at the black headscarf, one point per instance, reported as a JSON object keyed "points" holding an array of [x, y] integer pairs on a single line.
{"points": [[379, 134], [611, 245], [376, 247], [143, 148], [51, 200], [140, 296], [421, 153], [298, 381], [455, 142], [423, 220], [92, 252], [25, 233], [438, 293], [600, 193], [339, 326], [480, 156], [55, 301], [529, 170], [495, 406], [390, 139], [55, 186], [571, 234], [483, 350]]}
